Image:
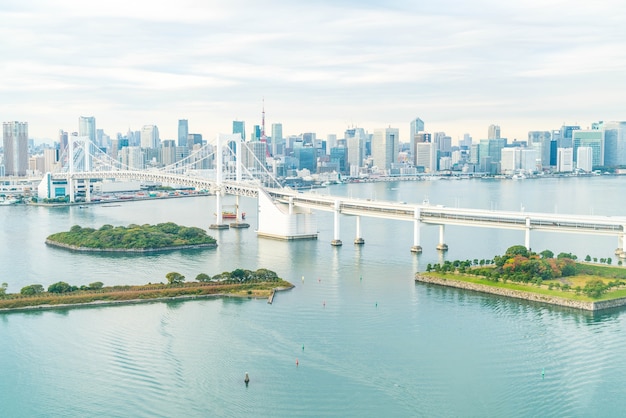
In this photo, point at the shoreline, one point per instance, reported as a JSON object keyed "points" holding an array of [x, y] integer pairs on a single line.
{"points": [[592, 306], [98, 303]]}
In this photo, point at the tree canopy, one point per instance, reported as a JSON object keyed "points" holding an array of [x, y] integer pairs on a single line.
{"points": [[133, 236]]}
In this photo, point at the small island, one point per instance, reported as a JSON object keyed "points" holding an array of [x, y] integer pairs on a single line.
{"points": [[261, 283], [523, 274], [133, 238]]}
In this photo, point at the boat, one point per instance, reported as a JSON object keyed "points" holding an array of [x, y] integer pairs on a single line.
{"points": [[7, 202], [232, 215]]}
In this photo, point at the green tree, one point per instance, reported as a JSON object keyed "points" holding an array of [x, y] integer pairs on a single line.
{"points": [[595, 288], [32, 289], [96, 285], [174, 278], [517, 250], [3, 290], [59, 287], [203, 277], [546, 254], [588, 258], [609, 261]]}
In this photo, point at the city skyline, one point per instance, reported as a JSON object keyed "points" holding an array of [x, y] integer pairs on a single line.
{"points": [[320, 67]]}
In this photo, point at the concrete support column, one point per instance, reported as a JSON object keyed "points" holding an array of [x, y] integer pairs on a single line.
{"points": [[619, 251], [290, 205], [336, 242], [87, 182], [416, 248], [527, 235], [239, 162], [70, 180], [442, 246], [358, 240], [219, 222]]}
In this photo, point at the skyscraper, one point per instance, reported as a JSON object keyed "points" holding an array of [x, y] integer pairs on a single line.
{"points": [[385, 147], [15, 142], [614, 143], [87, 127], [355, 141], [150, 136], [493, 132], [183, 132], [239, 127], [277, 137]]}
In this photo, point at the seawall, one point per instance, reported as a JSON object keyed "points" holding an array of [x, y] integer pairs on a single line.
{"points": [[519, 294]]}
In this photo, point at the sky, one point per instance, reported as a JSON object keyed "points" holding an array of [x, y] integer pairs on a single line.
{"points": [[321, 66]]}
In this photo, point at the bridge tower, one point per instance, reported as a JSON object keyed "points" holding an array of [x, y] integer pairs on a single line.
{"points": [[82, 143], [417, 223]]}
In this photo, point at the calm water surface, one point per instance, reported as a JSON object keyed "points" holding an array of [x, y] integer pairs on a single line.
{"points": [[368, 340]]}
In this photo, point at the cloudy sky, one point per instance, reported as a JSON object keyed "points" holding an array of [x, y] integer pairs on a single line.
{"points": [[460, 65]]}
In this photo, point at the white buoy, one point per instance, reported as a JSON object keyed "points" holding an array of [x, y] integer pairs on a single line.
{"points": [[247, 379]]}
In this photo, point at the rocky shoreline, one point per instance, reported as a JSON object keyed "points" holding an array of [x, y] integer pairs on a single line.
{"points": [[126, 250], [519, 294]]}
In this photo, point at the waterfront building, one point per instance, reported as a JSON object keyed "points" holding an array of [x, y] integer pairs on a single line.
{"points": [[150, 136], [511, 160], [385, 147], [423, 153], [492, 148], [584, 159], [493, 132], [540, 141], [466, 142], [590, 138], [15, 143], [565, 160], [614, 144], [530, 160], [183, 133], [355, 140]]}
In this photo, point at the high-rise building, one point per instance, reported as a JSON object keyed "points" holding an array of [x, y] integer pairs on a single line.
{"points": [[614, 143], [150, 137], [183, 132], [385, 147], [15, 143], [493, 132], [540, 141], [168, 152], [239, 127], [63, 141], [355, 140], [589, 138], [564, 160], [584, 159], [87, 127], [416, 126], [422, 155], [565, 136], [277, 137]]}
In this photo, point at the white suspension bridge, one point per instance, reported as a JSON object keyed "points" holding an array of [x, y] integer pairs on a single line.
{"points": [[284, 213]]}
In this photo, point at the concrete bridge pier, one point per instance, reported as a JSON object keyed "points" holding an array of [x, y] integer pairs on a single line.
{"points": [[358, 240], [619, 251], [416, 248], [527, 234], [336, 242], [442, 246], [219, 222]]}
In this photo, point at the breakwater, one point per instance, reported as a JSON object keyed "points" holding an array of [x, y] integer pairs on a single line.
{"points": [[127, 250], [520, 294]]}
